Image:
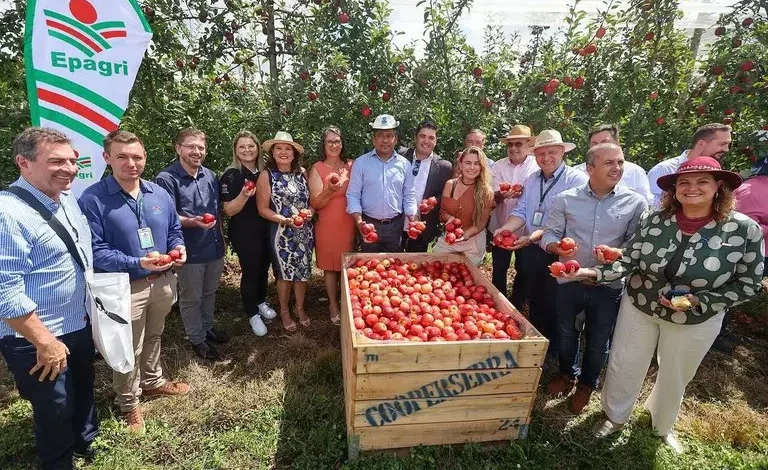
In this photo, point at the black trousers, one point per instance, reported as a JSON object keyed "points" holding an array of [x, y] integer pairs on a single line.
{"points": [[253, 255], [540, 289], [418, 245], [390, 236]]}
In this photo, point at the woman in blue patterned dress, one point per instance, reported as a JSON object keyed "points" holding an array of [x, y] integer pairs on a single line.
{"points": [[282, 192]]}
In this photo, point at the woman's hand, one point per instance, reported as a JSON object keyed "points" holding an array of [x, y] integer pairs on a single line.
{"points": [[694, 301], [333, 187], [248, 190], [582, 274]]}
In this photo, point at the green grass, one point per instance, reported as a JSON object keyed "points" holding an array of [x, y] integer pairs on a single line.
{"points": [[277, 402]]}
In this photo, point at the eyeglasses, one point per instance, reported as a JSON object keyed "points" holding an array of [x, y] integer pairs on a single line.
{"points": [[416, 166], [333, 143], [515, 144], [199, 148]]}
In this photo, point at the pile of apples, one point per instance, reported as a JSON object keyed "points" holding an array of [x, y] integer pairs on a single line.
{"points": [[416, 228], [430, 301], [162, 260], [426, 205], [505, 239], [368, 231], [453, 231], [301, 217]]}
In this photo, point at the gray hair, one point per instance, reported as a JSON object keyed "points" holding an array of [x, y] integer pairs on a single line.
{"points": [[599, 148], [29, 141]]}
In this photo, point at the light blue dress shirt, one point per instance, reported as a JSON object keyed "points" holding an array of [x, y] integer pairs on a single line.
{"points": [[381, 190], [530, 202], [37, 272]]}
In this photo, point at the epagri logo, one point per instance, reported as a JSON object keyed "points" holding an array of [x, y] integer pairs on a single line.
{"points": [[82, 32]]}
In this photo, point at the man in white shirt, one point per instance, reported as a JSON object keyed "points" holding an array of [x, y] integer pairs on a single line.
{"points": [[710, 140], [515, 169], [430, 173], [634, 176]]}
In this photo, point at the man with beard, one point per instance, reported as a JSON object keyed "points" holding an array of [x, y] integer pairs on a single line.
{"points": [[430, 172], [195, 192], [709, 140], [601, 212]]}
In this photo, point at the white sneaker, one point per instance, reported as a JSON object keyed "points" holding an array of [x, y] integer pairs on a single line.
{"points": [[671, 441], [257, 325], [267, 312]]}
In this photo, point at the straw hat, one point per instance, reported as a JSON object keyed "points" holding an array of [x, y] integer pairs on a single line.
{"points": [[282, 137], [518, 132], [552, 137], [700, 165], [384, 121]]}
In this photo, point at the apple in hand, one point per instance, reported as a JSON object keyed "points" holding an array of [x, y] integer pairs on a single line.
{"points": [[450, 238], [424, 208], [557, 268], [208, 218], [298, 221], [305, 213], [334, 179], [372, 237], [366, 229], [571, 266], [517, 187], [567, 244], [504, 187], [432, 201], [609, 253], [249, 185], [174, 254]]}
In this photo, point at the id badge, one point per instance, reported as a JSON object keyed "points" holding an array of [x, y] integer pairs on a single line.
{"points": [[538, 216], [145, 238]]}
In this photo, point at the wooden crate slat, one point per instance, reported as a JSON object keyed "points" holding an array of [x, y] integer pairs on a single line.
{"points": [[389, 437], [389, 385], [398, 412]]}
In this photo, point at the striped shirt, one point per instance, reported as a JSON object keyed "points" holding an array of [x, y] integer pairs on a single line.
{"points": [[37, 272]]}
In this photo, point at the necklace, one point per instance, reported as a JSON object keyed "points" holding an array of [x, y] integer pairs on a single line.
{"points": [[465, 184]]}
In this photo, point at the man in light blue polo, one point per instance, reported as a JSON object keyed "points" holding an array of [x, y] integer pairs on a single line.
{"points": [[45, 336], [133, 222], [381, 188], [195, 191]]}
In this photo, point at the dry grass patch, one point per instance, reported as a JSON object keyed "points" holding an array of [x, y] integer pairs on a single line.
{"points": [[734, 423]]}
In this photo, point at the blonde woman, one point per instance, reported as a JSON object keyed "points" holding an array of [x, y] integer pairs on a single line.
{"points": [[469, 198], [248, 232]]}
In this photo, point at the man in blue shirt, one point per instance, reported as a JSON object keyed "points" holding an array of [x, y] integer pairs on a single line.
{"points": [[45, 335], [601, 212], [381, 188], [132, 222], [195, 192], [531, 212]]}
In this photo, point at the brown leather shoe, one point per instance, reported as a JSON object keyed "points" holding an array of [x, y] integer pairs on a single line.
{"points": [[580, 398], [560, 385], [134, 420], [169, 389]]}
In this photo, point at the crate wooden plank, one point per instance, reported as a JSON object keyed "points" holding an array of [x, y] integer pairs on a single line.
{"points": [[347, 357], [388, 385], [389, 437], [405, 410], [486, 354]]}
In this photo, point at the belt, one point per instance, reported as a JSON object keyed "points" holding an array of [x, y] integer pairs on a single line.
{"points": [[151, 277], [382, 221]]}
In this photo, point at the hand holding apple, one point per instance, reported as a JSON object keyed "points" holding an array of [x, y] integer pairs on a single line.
{"points": [[566, 247], [368, 232], [569, 269], [606, 254], [178, 255], [249, 188], [206, 221], [678, 303], [333, 182], [154, 261]]}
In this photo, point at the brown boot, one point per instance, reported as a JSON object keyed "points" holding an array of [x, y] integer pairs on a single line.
{"points": [[560, 385], [134, 420], [168, 388], [580, 399]]}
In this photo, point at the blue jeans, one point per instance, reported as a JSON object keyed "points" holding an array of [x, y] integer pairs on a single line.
{"points": [[601, 306], [63, 410]]}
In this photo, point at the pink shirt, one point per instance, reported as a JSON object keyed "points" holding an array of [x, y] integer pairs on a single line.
{"points": [[505, 171], [752, 200]]}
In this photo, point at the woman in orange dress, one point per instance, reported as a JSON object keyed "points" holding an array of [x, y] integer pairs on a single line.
{"points": [[469, 198], [334, 229]]}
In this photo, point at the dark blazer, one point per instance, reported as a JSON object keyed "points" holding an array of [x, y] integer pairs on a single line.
{"points": [[440, 172]]}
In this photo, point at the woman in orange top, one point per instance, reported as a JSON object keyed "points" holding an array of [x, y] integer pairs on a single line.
{"points": [[335, 229], [468, 198]]}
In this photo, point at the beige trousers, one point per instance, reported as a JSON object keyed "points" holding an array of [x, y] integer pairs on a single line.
{"points": [[681, 348], [473, 248], [151, 302]]}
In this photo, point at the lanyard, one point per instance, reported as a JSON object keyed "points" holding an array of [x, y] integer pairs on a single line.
{"points": [[139, 206], [542, 193]]}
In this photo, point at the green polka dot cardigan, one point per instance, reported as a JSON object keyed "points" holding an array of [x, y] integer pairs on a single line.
{"points": [[722, 265]]}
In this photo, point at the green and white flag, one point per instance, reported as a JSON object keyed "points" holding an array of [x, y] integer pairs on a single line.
{"points": [[81, 59]]}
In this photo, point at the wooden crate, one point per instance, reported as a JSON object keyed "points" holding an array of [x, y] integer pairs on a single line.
{"points": [[402, 394]]}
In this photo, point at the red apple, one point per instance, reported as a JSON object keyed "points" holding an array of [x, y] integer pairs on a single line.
{"points": [[477, 72], [372, 237], [600, 32], [334, 178], [567, 244], [557, 268], [504, 187], [450, 238], [366, 111], [249, 185], [305, 213], [312, 96], [343, 17], [571, 266], [366, 229], [459, 232], [432, 201], [517, 187], [174, 254], [660, 121], [386, 96], [720, 30], [298, 221], [208, 218]]}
